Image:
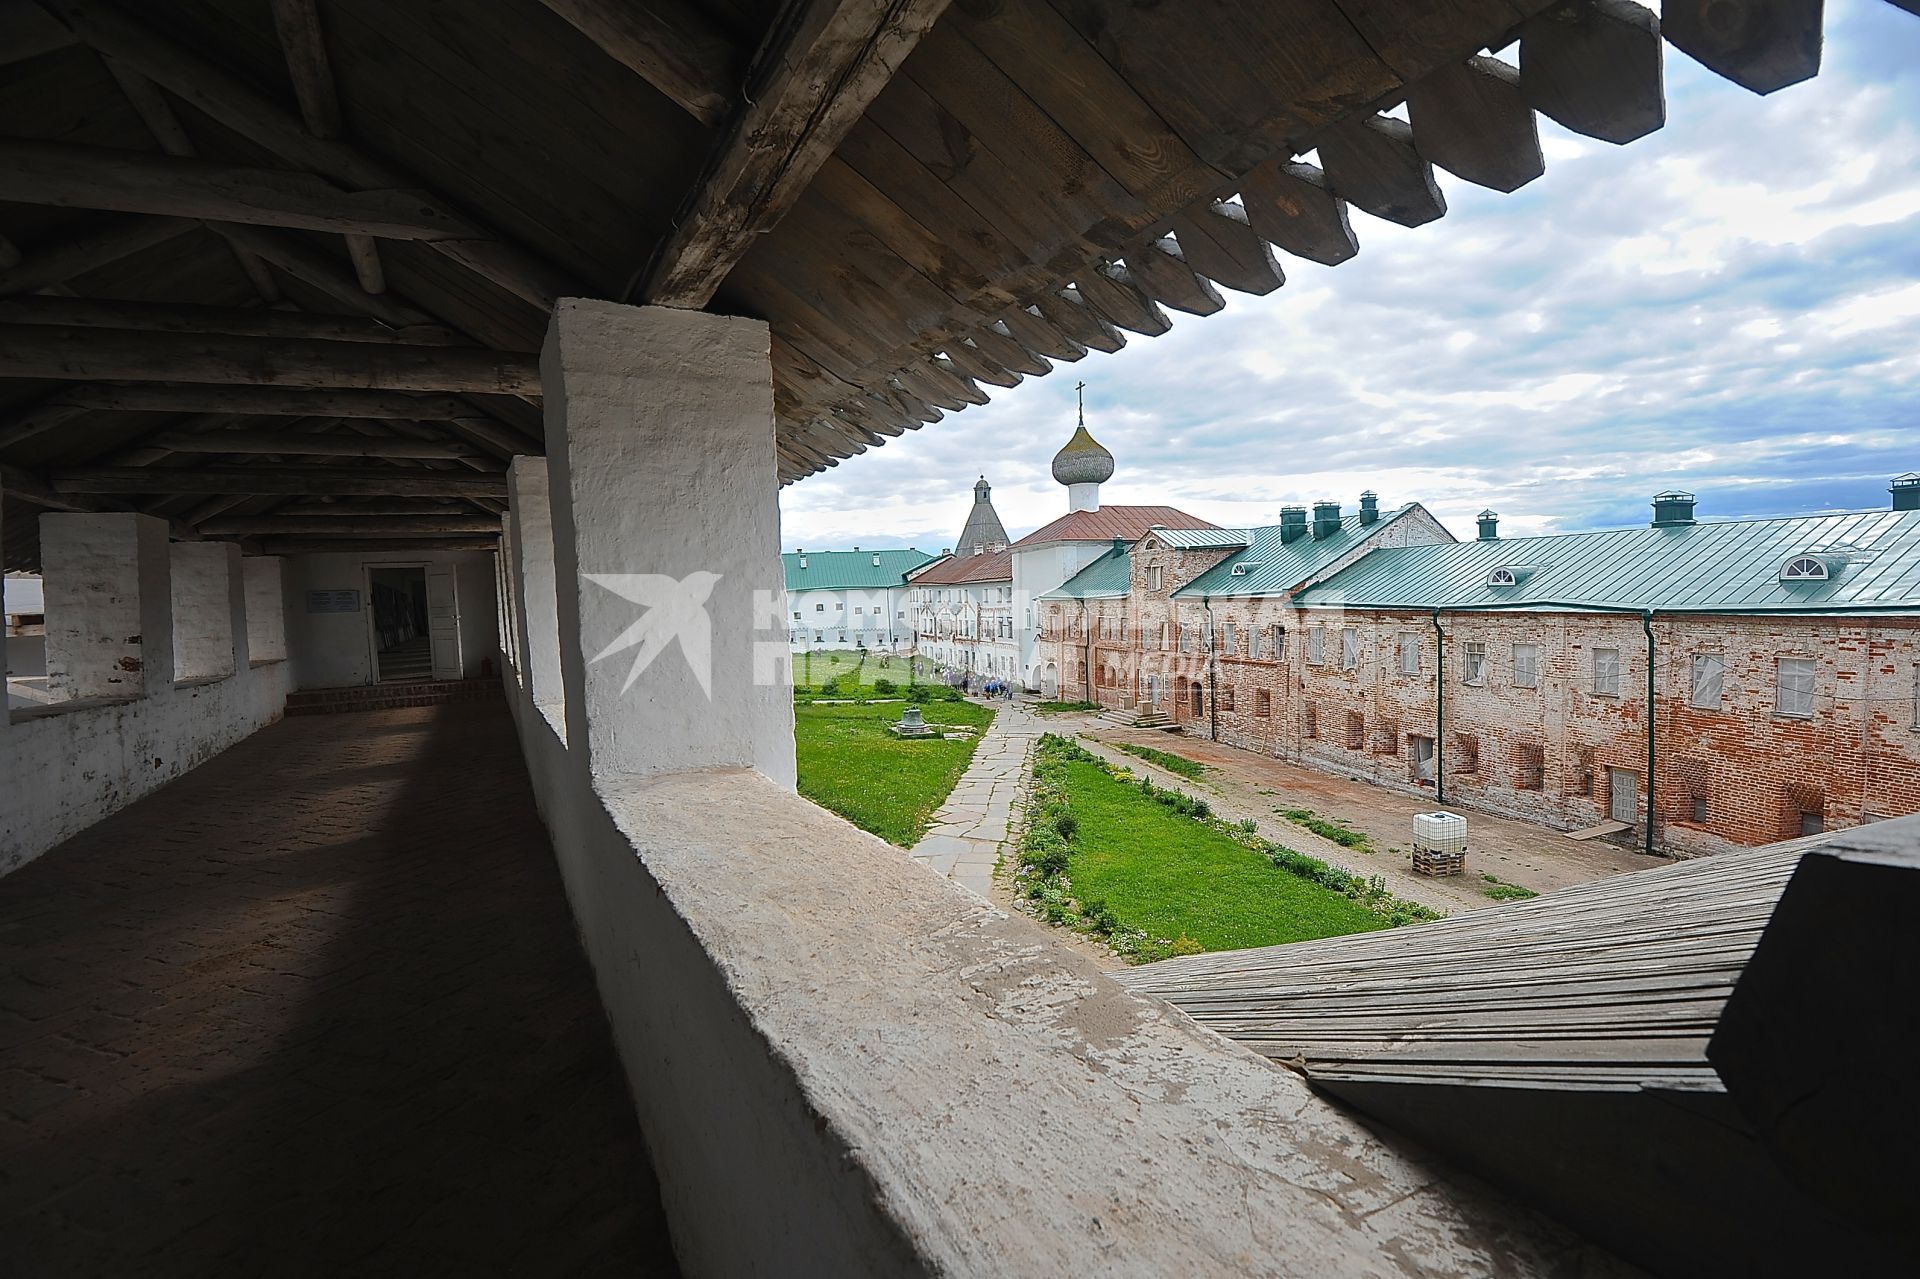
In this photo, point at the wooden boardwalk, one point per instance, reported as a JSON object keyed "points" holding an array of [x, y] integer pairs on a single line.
{"points": [[1615, 984]]}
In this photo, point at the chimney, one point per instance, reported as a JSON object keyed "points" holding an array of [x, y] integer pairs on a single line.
{"points": [[1326, 519], [1369, 508], [1672, 508], [1906, 491], [1293, 523], [1489, 525]]}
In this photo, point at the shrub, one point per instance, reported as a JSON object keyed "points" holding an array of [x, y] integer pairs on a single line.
{"points": [[831, 688], [885, 687], [920, 694], [1067, 825], [1185, 945]]}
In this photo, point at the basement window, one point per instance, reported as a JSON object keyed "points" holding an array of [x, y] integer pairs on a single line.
{"points": [[1262, 703], [1356, 731], [1225, 698], [1310, 722], [1466, 753], [1531, 773]]}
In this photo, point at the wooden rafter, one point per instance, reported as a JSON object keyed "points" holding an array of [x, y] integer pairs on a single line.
{"points": [[55, 264], [348, 525], [231, 102], [237, 321], [173, 186], [48, 351], [670, 44], [811, 87], [292, 444], [263, 480]]}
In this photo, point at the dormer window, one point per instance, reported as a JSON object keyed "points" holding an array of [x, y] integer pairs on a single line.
{"points": [[876, 561], [1502, 577], [1805, 568], [803, 561], [1243, 568]]}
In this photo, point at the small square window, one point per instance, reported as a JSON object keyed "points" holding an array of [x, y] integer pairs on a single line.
{"points": [[1700, 810]]}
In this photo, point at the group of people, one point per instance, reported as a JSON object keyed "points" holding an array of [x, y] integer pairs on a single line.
{"points": [[982, 686]]}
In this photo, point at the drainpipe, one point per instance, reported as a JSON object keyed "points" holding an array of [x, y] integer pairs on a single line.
{"points": [[1439, 710], [1213, 683], [1646, 624]]}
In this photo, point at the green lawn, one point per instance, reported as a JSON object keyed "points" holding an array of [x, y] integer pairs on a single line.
{"points": [[1189, 768], [850, 764], [1172, 876], [815, 667]]}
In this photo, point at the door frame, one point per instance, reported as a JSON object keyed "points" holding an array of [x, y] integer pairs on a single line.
{"points": [[366, 584]]}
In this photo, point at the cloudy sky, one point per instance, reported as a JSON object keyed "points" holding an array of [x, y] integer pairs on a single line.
{"points": [[1731, 305]]}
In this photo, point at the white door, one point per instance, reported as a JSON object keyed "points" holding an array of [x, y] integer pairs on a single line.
{"points": [[1625, 804], [443, 623]]}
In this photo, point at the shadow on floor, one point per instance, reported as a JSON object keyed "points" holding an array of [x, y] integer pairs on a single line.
{"points": [[316, 1007]]}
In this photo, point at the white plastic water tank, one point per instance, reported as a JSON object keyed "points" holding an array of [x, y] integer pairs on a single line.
{"points": [[1440, 832]]}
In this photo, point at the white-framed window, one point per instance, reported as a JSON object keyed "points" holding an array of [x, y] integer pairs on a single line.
{"points": [[1153, 577], [1526, 666], [1409, 653], [796, 617], [819, 608], [1229, 641], [1279, 642], [858, 610], [1795, 691], [1804, 568], [1349, 648], [1317, 645], [1186, 639], [1473, 662], [1606, 672], [1709, 679]]}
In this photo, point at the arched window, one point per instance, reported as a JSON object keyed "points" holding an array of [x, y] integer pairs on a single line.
{"points": [[1500, 577], [1804, 568]]}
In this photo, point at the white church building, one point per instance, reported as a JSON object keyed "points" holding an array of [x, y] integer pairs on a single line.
{"points": [[850, 599], [975, 612]]}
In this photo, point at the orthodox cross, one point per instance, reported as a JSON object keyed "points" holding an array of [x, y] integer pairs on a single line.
{"points": [[1081, 387]]}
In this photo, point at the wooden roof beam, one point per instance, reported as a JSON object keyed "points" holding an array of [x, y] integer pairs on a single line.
{"points": [[340, 481], [1373, 163], [1159, 267], [27, 32], [170, 317], [348, 525], [1471, 119], [1289, 206], [1597, 68], [810, 86], [48, 351], [1762, 45], [298, 22], [152, 106], [365, 545], [59, 263], [671, 44], [76, 177], [293, 444], [234, 104]]}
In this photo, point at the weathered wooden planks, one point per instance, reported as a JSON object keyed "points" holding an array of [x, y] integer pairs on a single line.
{"points": [[670, 44], [340, 480], [1597, 68], [1472, 120], [1762, 45]]}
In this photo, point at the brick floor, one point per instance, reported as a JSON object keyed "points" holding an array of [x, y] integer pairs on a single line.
{"points": [[315, 1008]]}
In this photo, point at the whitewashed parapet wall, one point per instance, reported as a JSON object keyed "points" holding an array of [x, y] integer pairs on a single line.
{"points": [[846, 1065], [123, 725]]}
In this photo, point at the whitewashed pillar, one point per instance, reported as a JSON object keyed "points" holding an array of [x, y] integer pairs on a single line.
{"points": [[209, 603], [665, 488], [537, 605], [264, 577], [109, 604]]}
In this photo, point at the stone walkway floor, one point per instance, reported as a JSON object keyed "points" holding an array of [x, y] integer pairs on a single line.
{"points": [[964, 841], [315, 1008]]}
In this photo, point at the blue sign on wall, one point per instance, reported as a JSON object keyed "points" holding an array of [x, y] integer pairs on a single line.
{"points": [[333, 601]]}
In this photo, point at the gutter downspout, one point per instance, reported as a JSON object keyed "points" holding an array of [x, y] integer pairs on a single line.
{"points": [[1213, 684], [1439, 710], [1646, 624]]}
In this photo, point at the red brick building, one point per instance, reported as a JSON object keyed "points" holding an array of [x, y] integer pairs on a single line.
{"points": [[1512, 675]]}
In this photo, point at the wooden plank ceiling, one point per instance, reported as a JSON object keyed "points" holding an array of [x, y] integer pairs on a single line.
{"points": [[263, 262]]}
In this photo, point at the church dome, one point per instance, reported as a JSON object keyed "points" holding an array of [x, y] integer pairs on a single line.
{"points": [[1082, 461]]}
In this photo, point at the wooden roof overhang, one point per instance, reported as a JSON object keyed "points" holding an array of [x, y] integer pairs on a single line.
{"points": [[267, 263]]}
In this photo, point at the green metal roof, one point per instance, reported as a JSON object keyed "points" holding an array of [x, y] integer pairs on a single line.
{"points": [[1729, 565], [850, 570], [1273, 567], [1108, 577], [1201, 539]]}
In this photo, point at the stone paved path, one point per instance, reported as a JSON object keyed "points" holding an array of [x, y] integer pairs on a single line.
{"points": [[964, 841], [316, 1008]]}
